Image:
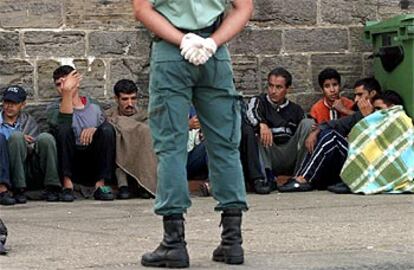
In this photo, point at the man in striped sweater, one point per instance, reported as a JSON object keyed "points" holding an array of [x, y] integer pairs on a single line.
{"points": [[280, 128]]}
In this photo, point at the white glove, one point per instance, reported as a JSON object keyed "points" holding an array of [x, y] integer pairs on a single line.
{"points": [[197, 50], [201, 56], [190, 44], [210, 46]]}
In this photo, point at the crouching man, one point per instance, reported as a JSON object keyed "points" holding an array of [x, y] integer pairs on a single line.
{"points": [[31, 155]]}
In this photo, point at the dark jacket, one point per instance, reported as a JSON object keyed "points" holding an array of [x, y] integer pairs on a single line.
{"points": [[344, 124], [283, 119]]}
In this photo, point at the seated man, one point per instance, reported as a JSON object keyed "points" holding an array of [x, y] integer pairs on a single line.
{"points": [[85, 140], [197, 155], [135, 156], [197, 160], [332, 106], [280, 126], [328, 146], [381, 150], [32, 156], [254, 174]]}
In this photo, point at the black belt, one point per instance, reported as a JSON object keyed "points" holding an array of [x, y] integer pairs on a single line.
{"points": [[206, 30]]}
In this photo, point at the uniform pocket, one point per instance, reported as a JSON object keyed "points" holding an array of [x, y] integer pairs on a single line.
{"points": [[161, 124]]}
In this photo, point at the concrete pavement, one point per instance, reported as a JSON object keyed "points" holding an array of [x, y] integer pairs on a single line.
{"points": [[316, 230]]}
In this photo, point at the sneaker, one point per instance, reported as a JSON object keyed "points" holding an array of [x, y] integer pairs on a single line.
{"points": [[295, 186], [51, 194], [67, 195], [20, 197], [6, 198], [339, 188], [261, 186], [123, 193], [103, 193]]}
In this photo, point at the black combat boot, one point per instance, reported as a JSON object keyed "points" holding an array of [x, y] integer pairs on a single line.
{"points": [[3, 238], [172, 251], [230, 250]]}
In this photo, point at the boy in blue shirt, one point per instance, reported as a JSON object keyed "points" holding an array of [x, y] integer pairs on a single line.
{"points": [[26, 154]]}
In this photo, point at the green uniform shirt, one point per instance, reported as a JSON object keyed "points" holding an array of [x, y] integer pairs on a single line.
{"points": [[191, 14]]}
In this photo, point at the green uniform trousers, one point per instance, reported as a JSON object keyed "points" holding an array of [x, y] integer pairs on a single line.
{"points": [[33, 166], [174, 85]]}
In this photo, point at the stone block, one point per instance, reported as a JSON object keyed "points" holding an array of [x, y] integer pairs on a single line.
{"points": [[367, 65], [136, 70], [46, 86], [348, 65], [358, 43], [282, 12], [9, 44], [13, 71], [305, 100], [297, 65], [128, 43], [30, 14], [391, 8], [54, 44], [316, 40], [348, 11], [246, 75], [257, 41], [93, 77], [99, 14]]}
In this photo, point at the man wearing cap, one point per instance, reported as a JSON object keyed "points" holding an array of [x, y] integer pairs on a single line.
{"points": [[32, 155], [190, 63]]}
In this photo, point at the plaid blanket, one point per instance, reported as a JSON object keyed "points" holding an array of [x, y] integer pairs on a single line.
{"points": [[381, 154]]}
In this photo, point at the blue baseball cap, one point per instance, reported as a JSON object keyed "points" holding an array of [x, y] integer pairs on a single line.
{"points": [[14, 93]]}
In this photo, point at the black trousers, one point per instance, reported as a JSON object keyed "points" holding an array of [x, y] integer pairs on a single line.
{"points": [[249, 155], [86, 164]]}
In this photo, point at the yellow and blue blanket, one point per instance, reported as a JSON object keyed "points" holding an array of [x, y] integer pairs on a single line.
{"points": [[381, 154]]}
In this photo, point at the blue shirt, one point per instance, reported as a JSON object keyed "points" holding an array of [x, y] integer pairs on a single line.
{"points": [[6, 129]]}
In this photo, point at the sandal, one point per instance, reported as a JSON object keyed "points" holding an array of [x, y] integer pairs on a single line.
{"points": [[294, 185], [205, 189]]}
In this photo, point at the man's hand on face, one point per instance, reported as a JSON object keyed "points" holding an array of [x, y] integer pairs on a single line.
{"points": [[365, 106], [339, 106], [71, 81], [28, 138], [86, 136], [194, 123], [266, 136]]}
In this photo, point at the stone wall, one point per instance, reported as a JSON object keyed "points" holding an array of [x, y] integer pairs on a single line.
{"points": [[103, 41]]}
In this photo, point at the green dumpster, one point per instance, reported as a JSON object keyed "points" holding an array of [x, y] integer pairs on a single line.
{"points": [[393, 44]]}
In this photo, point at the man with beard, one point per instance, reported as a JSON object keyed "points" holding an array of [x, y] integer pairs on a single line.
{"points": [[135, 156]]}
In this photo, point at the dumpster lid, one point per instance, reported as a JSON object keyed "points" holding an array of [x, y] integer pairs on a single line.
{"points": [[391, 24]]}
